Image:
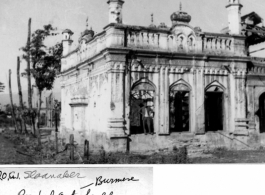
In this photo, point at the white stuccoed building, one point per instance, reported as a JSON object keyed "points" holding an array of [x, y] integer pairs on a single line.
{"points": [[140, 88]]}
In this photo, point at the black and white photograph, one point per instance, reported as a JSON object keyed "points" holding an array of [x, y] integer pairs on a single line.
{"points": [[132, 82], [76, 181]]}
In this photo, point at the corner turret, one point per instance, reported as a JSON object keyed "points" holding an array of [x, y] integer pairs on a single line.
{"points": [[234, 16], [67, 42], [115, 11]]}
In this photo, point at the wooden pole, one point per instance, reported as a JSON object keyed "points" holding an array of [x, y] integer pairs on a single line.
{"points": [[86, 149], [71, 142], [28, 66], [38, 117], [56, 133], [21, 105], [11, 102], [29, 79]]}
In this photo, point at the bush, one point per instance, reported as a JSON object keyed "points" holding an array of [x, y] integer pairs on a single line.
{"points": [[5, 122], [181, 155], [219, 149]]}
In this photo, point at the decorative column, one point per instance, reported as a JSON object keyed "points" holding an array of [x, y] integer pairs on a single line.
{"points": [[241, 121], [199, 102], [116, 121]]}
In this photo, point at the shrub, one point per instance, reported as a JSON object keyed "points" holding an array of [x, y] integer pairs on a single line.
{"points": [[219, 149], [181, 155]]}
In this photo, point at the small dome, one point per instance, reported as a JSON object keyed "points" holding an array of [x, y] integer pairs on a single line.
{"points": [[197, 29], [162, 25], [88, 32], [118, 1], [180, 16], [86, 35], [152, 26], [68, 31]]}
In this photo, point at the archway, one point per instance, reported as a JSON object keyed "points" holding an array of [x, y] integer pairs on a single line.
{"points": [[179, 106], [214, 101], [142, 109]]}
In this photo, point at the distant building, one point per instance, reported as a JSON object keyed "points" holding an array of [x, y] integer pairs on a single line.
{"points": [[147, 88]]}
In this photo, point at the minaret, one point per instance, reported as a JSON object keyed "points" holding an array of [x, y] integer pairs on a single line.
{"points": [[115, 11], [234, 16], [67, 42]]}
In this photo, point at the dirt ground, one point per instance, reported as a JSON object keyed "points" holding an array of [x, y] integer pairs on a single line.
{"points": [[227, 156], [9, 155]]}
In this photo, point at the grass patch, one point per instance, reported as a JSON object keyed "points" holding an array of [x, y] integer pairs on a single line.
{"points": [[46, 154], [178, 156], [232, 156]]}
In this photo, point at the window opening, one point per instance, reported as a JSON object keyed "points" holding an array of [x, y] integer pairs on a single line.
{"points": [[179, 101]]}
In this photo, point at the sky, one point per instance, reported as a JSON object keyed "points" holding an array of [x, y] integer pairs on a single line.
{"points": [[209, 15]]}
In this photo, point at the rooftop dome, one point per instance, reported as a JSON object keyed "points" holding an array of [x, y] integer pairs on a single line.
{"points": [[118, 1], [68, 31], [88, 32], [180, 17]]}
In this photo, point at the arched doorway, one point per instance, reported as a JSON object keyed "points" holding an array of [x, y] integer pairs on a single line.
{"points": [[214, 101], [262, 113], [142, 109], [179, 106]]}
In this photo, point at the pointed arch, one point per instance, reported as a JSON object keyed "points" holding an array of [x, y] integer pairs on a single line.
{"points": [[214, 105], [215, 83], [180, 82], [191, 41], [142, 83], [179, 106], [142, 103], [181, 34]]}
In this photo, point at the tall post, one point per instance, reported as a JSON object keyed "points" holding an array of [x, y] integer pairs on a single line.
{"points": [[71, 142], [23, 125], [56, 132], [29, 79], [28, 66], [11, 102]]}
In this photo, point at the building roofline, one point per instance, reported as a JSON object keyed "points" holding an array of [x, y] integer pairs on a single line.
{"points": [[163, 54]]}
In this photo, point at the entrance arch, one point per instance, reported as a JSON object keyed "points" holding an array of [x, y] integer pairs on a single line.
{"points": [[262, 113], [179, 108], [142, 108], [214, 108]]}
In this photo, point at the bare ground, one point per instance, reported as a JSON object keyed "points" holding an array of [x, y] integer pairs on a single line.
{"points": [[9, 155], [230, 156]]}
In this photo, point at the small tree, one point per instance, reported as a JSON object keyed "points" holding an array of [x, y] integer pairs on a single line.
{"points": [[46, 62]]}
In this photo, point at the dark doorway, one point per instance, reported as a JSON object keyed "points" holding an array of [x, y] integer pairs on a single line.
{"points": [[142, 109], [213, 111], [179, 111], [262, 113]]}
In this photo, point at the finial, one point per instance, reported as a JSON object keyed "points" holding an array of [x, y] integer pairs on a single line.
{"points": [[152, 18], [180, 6], [87, 23]]}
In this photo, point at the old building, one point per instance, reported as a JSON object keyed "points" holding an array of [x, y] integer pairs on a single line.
{"points": [[142, 88]]}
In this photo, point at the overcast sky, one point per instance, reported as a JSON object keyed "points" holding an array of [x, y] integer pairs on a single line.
{"points": [[210, 15]]}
